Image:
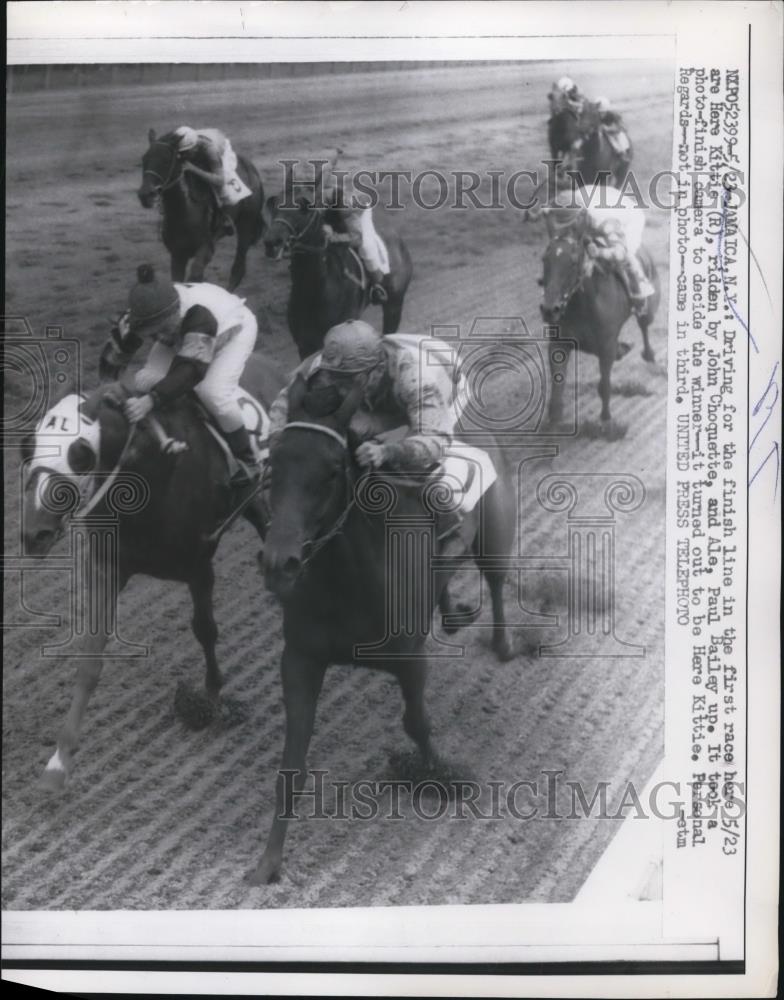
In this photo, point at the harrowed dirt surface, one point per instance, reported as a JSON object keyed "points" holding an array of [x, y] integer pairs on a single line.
{"points": [[160, 817]]}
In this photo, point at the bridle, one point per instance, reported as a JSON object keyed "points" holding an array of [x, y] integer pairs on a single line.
{"points": [[317, 544], [293, 243], [170, 180], [88, 503], [573, 241]]}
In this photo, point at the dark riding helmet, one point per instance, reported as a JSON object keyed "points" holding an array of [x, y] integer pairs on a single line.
{"points": [[151, 300]]}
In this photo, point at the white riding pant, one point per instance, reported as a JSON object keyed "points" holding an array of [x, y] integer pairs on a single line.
{"points": [[218, 389], [359, 223]]}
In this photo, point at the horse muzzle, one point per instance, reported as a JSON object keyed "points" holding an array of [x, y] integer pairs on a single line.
{"points": [[281, 574], [274, 251], [147, 196], [552, 313]]}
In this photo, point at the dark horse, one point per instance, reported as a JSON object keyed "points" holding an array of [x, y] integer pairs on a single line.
{"points": [[191, 218], [590, 310], [581, 145], [326, 557], [326, 285], [166, 532]]}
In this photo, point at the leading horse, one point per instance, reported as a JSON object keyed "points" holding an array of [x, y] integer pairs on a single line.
{"points": [[327, 285], [190, 211], [329, 558], [590, 305], [581, 145], [168, 531]]}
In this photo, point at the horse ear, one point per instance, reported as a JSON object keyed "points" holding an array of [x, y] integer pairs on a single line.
{"points": [[296, 394], [151, 135]]}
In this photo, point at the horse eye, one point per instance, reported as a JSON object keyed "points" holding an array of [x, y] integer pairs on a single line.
{"points": [[81, 457], [540, 280]]}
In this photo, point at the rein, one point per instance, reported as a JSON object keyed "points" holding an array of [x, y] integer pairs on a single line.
{"points": [[294, 242], [571, 292], [317, 544], [82, 511], [169, 181]]}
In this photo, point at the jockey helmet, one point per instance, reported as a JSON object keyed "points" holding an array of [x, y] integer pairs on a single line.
{"points": [[188, 138], [151, 300], [603, 105], [565, 84], [351, 348]]}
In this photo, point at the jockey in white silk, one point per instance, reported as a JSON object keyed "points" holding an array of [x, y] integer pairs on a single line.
{"points": [[211, 146], [202, 338], [615, 226], [355, 211], [613, 127], [409, 382]]}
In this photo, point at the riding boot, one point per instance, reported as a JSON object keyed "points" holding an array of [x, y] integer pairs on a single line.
{"points": [[248, 475], [378, 291], [249, 470], [226, 224]]}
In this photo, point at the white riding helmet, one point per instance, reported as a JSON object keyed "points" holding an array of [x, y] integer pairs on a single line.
{"points": [[352, 347], [603, 104], [188, 137], [565, 84]]}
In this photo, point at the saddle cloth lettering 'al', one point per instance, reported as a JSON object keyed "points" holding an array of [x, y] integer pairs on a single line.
{"points": [[469, 473]]}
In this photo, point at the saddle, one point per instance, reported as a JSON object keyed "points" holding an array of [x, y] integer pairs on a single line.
{"points": [[257, 424]]}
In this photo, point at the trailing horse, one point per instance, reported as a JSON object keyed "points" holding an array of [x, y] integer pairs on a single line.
{"points": [[343, 585], [328, 284], [581, 145], [590, 306], [165, 525], [191, 215]]}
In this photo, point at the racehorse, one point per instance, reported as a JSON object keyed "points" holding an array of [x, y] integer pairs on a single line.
{"points": [[327, 284], [167, 510], [191, 214], [590, 306], [328, 558], [580, 144]]}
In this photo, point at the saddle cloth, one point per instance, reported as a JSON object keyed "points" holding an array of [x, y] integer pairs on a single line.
{"points": [[234, 188], [257, 424], [468, 472]]}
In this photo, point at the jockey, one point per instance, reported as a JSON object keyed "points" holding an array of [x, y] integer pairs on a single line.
{"points": [[211, 147], [354, 210], [613, 126], [615, 226], [565, 94], [202, 337], [404, 387]]}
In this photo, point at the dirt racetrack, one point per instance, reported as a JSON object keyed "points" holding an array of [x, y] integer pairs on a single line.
{"points": [[159, 817]]}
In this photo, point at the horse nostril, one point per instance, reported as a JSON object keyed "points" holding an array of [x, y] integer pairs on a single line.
{"points": [[43, 535], [291, 566]]}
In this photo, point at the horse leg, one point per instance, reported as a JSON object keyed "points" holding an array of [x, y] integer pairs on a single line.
{"points": [[179, 265], [559, 365], [201, 259], [392, 311], [412, 677], [302, 679], [647, 351], [204, 627], [88, 672], [606, 359], [245, 230]]}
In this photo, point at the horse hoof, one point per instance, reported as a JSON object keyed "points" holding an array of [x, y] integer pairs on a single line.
{"points": [[52, 780], [265, 873], [448, 629], [648, 356], [503, 650]]}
